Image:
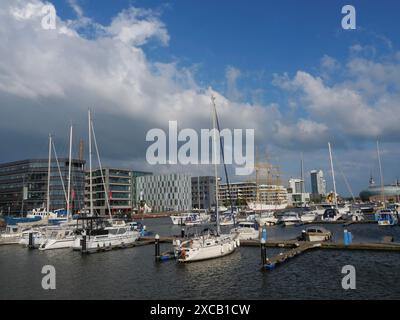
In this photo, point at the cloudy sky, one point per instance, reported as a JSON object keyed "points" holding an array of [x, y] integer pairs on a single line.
{"points": [[284, 68]]}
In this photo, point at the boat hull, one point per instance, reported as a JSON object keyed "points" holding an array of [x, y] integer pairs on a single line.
{"points": [[53, 244], [104, 243]]}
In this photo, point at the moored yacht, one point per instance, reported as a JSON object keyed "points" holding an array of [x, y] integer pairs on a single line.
{"points": [[267, 218], [102, 235], [11, 235], [332, 214], [290, 218], [247, 231], [308, 217], [37, 238], [317, 234], [208, 245], [60, 238], [387, 217]]}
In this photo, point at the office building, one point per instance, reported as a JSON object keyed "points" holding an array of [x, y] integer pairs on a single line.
{"points": [[318, 184], [165, 192], [203, 192], [23, 185], [243, 193]]}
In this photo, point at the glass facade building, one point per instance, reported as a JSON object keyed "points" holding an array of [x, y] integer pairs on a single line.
{"points": [[120, 189], [23, 185], [165, 192]]}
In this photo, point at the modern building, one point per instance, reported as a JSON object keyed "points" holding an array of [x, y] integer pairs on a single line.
{"points": [[375, 192], [243, 193], [296, 194], [23, 185], [165, 192], [203, 192], [296, 185], [318, 183], [116, 188], [120, 189], [135, 196]]}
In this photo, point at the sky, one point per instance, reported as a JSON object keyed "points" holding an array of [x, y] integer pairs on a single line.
{"points": [[286, 69]]}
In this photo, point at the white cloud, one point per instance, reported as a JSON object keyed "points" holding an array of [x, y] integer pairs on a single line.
{"points": [[232, 75], [76, 7], [50, 77]]}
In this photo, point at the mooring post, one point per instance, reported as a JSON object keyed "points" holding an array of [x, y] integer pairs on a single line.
{"points": [[263, 252], [264, 233], [31, 241], [157, 246], [346, 237], [182, 232], [83, 245], [349, 237]]}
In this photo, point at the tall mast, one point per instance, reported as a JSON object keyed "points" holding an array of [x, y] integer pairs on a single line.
{"points": [[69, 173], [48, 177], [90, 164], [215, 163], [381, 174], [333, 175], [302, 184]]}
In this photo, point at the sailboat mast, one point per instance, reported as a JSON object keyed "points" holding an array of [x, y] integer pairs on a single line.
{"points": [[333, 174], [215, 163], [48, 176], [381, 174], [69, 173], [90, 163], [302, 184]]}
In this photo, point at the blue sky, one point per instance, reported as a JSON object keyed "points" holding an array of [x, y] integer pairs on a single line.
{"points": [[285, 68], [258, 37]]}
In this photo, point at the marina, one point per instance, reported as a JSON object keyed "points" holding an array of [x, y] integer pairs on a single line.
{"points": [[133, 273], [199, 150]]}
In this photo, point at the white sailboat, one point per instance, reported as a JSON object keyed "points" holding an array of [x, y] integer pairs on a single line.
{"points": [[62, 237], [208, 245], [115, 234]]}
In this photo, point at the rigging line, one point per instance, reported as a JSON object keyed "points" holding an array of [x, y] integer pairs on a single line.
{"points": [[223, 159], [101, 170], [345, 179], [59, 170]]}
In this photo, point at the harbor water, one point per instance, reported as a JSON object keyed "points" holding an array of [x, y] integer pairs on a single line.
{"points": [[133, 273]]}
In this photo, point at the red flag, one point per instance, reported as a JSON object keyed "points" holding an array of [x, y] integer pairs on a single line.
{"points": [[109, 194]]}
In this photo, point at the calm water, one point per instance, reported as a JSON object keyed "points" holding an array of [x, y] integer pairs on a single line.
{"points": [[133, 274]]}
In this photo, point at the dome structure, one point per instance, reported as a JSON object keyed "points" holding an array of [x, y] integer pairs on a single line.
{"points": [[374, 192]]}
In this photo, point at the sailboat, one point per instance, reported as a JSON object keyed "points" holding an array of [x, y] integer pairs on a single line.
{"points": [[385, 216], [332, 214], [107, 234], [209, 244], [64, 236]]}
